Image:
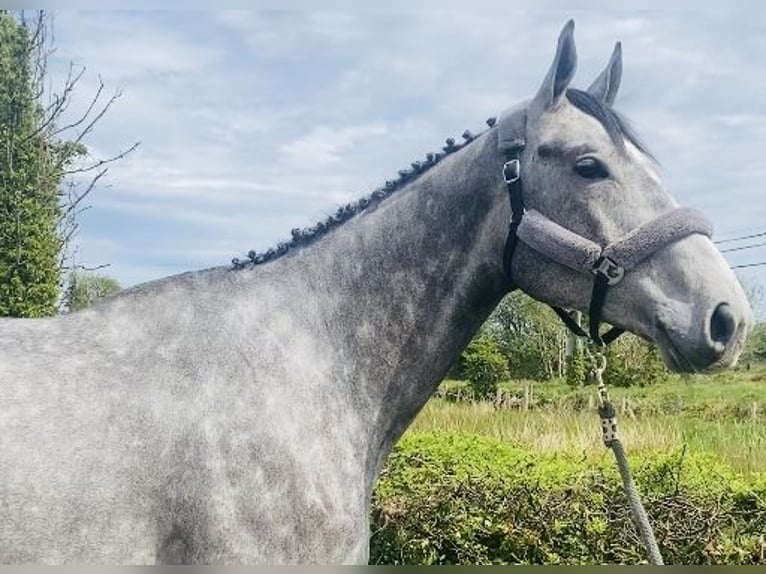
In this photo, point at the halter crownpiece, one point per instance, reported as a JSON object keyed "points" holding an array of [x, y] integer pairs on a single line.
{"points": [[608, 264]]}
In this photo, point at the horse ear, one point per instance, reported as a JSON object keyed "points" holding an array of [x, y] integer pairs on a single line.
{"points": [[605, 87], [561, 72]]}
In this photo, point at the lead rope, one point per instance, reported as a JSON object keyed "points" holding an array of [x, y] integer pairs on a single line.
{"points": [[611, 440]]}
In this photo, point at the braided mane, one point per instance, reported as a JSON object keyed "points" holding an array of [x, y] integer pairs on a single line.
{"points": [[306, 236]]}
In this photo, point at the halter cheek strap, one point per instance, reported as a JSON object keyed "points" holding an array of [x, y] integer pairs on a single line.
{"points": [[608, 264]]}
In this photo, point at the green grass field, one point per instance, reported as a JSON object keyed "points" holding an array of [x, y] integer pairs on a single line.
{"points": [[723, 415]]}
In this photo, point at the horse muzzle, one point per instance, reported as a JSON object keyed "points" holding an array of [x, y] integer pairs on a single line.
{"points": [[709, 344]]}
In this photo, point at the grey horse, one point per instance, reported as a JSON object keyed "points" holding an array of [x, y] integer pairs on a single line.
{"points": [[242, 414]]}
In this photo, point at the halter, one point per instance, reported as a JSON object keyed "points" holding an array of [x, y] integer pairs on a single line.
{"points": [[607, 264]]}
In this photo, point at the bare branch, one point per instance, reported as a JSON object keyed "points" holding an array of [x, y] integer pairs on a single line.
{"points": [[93, 121], [94, 100], [61, 101], [69, 85], [72, 227], [65, 144], [96, 268], [79, 267], [38, 36], [73, 203], [104, 162], [38, 52]]}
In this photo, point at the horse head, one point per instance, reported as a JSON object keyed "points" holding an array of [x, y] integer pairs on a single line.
{"points": [[595, 211]]}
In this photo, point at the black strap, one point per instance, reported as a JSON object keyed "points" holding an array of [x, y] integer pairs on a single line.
{"points": [[597, 298], [512, 177], [611, 335], [572, 325], [516, 196], [566, 317], [510, 247], [517, 200]]}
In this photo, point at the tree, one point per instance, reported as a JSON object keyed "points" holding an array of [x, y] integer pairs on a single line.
{"points": [[530, 335], [754, 293], [483, 364], [755, 347], [576, 368], [537, 345], [29, 206], [39, 198], [633, 362], [85, 288]]}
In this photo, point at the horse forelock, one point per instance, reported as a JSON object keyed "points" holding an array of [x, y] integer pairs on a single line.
{"points": [[617, 127]]}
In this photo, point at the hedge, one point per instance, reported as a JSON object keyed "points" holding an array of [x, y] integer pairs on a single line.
{"points": [[465, 499]]}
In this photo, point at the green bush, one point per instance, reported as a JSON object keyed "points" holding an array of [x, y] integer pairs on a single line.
{"points": [[464, 499], [755, 348], [86, 288], [576, 369], [530, 335], [634, 362], [484, 365]]}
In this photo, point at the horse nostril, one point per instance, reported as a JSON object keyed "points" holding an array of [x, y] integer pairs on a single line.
{"points": [[723, 325]]}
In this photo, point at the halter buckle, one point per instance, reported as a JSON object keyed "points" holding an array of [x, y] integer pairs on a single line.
{"points": [[512, 171], [609, 269]]}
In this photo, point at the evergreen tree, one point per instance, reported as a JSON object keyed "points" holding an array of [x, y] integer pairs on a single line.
{"points": [[39, 202], [32, 164]]}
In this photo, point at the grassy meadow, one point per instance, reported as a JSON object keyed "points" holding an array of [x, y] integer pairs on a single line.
{"points": [[723, 415], [525, 479]]}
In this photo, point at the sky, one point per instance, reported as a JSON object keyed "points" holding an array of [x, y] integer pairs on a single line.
{"points": [[252, 123]]}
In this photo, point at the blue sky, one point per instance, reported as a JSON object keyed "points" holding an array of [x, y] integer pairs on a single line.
{"points": [[255, 122]]}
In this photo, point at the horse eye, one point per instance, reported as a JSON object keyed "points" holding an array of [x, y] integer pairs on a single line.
{"points": [[591, 168]]}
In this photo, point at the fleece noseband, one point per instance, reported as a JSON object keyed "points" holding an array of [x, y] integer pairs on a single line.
{"points": [[607, 264]]}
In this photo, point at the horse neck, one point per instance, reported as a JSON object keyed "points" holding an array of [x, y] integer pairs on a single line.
{"points": [[405, 284]]}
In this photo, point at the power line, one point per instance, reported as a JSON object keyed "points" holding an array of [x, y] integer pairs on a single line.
{"points": [[748, 265], [743, 247], [752, 236]]}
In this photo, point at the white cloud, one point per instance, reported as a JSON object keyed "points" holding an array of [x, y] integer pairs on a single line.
{"points": [[324, 145], [124, 45], [287, 33]]}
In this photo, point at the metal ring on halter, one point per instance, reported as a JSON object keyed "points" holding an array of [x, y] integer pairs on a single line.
{"points": [[512, 171], [597, 358], [609, 269], [601, 362]]}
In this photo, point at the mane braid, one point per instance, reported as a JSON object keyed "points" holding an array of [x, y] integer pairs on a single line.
{"points": [[306, 236]]}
